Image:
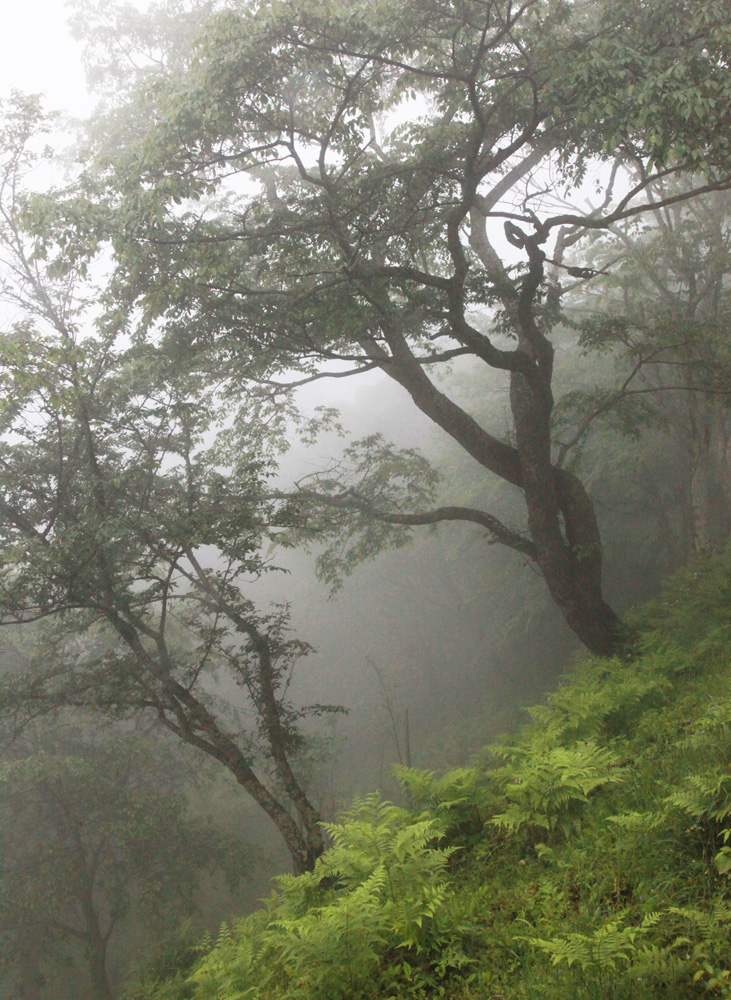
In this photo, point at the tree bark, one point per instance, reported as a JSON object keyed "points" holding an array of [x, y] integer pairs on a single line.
{"points": [[195, 725], [562, 523], [305, 842], [269, 708], [96, 951], [185, 715]]}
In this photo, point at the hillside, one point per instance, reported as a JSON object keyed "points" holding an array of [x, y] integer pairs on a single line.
{"points": [[585, 856]]}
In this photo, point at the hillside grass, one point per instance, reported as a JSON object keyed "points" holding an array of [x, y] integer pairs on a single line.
{"points": [[586, 857]]}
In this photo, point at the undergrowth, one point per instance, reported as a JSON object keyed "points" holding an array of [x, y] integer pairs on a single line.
{"points": [[586, 857]]}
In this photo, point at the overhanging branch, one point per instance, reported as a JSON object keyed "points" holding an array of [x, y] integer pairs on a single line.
{"points": [[499, 532]]}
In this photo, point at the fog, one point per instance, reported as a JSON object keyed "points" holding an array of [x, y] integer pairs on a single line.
{"points": [[40, 56], [432, 649], [427, 649], [154, 782]]}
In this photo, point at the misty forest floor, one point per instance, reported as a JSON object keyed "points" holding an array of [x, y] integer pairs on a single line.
{"points": [[584, 857]]}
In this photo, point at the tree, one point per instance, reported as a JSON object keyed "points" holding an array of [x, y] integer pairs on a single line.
{"points": [[319, 190], [662, 317], [93, 828], [118, 521]]}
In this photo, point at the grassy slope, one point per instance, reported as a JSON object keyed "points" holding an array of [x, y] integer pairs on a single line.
{"points": [[584, 857]]}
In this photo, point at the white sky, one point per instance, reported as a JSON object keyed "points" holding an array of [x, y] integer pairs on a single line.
{"points": [[37, 54]]}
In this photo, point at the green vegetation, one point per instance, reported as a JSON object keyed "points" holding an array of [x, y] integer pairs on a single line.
{"points": [[510, 224], [587, 856]]}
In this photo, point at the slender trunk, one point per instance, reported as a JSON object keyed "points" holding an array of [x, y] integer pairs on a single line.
{"points": [[700, 503], [195, 725], [30, 977], [305, 847], [101, 990], [303, 851], [699, 486], [721, 458], [96, 951], [671, 541], [269, 707], [183, 714]]}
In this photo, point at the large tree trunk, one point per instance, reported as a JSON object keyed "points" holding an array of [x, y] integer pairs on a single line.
{"points": [[562, 524]]}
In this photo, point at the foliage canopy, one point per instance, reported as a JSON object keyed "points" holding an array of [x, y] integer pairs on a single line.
{"points": [[320, 190]]}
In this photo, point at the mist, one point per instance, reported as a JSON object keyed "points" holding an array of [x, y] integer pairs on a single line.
{"points": [[338, 427]]}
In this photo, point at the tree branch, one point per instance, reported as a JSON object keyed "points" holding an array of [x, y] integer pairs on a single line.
{"points": [[498, 531]]}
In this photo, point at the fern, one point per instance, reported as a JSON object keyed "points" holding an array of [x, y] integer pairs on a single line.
{"points": [[458, 797], [600, 694], [548, 786], [388, 889], [704, 796], [603, 949], [609, 828]]}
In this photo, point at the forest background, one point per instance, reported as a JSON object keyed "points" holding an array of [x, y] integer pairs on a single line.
{"points": [[156, 309]]}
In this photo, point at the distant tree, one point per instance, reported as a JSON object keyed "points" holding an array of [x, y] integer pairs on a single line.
{"points": [[662, 317], [119, 518], [93, 829], [320, 190]]}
